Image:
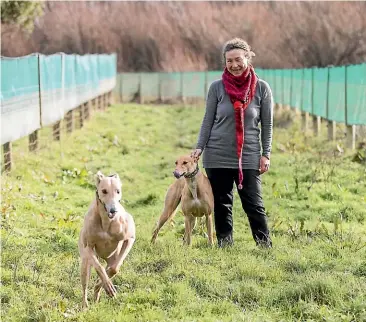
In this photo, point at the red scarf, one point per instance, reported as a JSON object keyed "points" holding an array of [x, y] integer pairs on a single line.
{"points": [[241, 90]]}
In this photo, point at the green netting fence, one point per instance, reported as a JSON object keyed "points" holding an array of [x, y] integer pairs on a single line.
{"points": [[334, 93], [20, 113], [39, 90]]}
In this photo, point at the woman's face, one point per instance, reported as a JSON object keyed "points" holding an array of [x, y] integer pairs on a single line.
{"points": [[236, 62]]}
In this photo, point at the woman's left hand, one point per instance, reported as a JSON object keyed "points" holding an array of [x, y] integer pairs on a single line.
{"points": [[264, 164]]}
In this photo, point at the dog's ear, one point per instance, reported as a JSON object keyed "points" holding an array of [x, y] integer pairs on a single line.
{"points": [[98, 177], [115, 175]]}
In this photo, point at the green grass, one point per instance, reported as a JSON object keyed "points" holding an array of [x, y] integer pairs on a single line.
{"points": [[315, 198]]}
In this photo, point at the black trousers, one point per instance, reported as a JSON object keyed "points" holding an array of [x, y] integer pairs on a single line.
{"points": [[222, 181]]}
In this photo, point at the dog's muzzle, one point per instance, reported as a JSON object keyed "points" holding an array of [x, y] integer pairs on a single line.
{"points": [[177, 174], [112, 212]]}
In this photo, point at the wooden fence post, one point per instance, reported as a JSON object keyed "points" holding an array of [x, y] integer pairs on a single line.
{"points": [[109, 98], [33, 141], [104, 101], [87, 111], [332, 130], [81, 115], [100, 102], [69, 121], [95, 104], [317, 125], [56, 131], [351, 136], [304, 121], [7, 156]]}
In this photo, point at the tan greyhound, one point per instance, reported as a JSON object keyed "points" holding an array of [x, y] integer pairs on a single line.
{"points": [[108, 232], [193, 190]]}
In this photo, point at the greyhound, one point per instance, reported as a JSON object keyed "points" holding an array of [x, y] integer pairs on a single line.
{"points": [[108, 232], [192, 188]]}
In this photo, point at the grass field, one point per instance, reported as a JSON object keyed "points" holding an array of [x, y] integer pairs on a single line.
{"points": [[315, 198]]}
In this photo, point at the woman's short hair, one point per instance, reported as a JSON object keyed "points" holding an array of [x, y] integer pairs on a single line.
{"points": [[238, 43]]}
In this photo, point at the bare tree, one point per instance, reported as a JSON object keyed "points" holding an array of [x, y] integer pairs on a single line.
{"points": [[176, 36], [319, 34]]}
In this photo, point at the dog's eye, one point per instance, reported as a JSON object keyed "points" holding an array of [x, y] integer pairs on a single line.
{"points": [[105, 191], [185, 162], [176, 162], [117, 191]]}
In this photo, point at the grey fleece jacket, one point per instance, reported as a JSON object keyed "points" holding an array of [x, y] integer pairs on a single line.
{"points": [[217, 136]]}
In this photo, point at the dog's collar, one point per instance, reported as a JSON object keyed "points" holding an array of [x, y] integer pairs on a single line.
{"points": [[191, 175]]}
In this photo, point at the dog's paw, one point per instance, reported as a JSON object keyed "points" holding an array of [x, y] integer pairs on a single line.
{"points": [[85, 305], [154, 236], [110, 289]]}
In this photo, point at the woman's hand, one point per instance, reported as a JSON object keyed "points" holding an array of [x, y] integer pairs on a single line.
{"points": [[195, 154], [264, 164]]}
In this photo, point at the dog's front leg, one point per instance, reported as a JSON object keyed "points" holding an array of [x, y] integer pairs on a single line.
{"points": [[106, 282], [115, 264], [189, 223], [85, 275], [209, 229], [98, 287], [126, 247]]}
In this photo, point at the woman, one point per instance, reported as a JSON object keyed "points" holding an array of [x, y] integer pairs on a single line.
{"points": [[231, 142]]}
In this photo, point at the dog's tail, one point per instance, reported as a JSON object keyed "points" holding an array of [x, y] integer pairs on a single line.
{"points": [[172, 200]]}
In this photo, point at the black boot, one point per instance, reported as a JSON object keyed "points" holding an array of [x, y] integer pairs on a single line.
{"points": [[223, 242], [264, 243]]}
